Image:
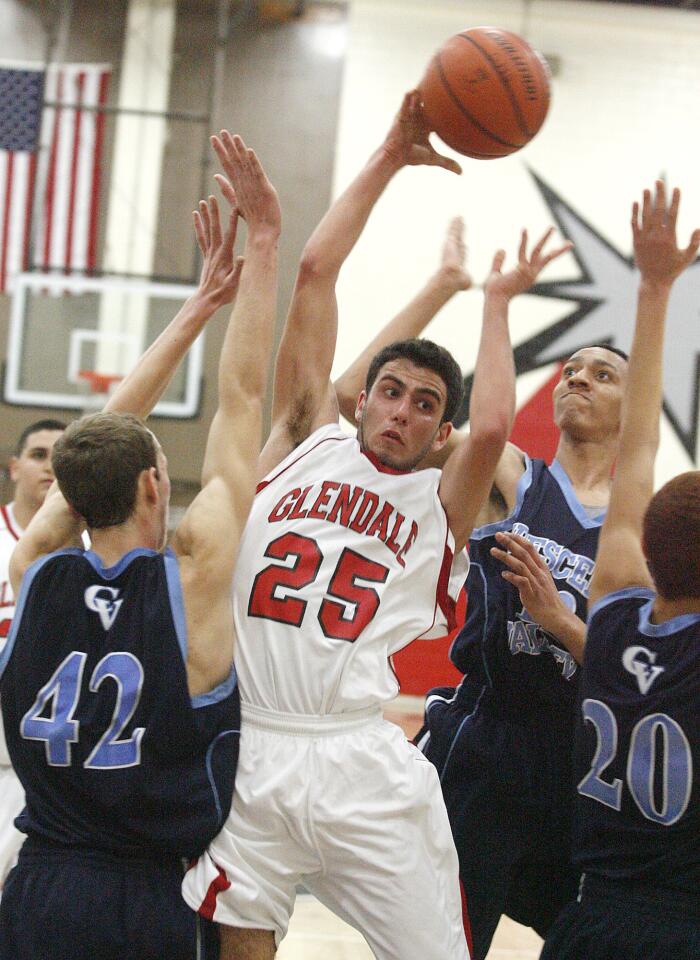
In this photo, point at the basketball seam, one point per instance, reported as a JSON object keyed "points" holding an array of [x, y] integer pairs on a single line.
{"points": [[467, 114], [506, 86]]}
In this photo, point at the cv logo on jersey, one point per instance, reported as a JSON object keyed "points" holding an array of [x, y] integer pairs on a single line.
{"points": [[603, 299], [640, 662], [103, 601]]}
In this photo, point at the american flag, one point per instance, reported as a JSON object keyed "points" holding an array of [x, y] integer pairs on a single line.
{"points": [[50, 166]]}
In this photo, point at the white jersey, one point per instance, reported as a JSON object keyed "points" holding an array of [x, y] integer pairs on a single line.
{"points": [[342, 563], [10, 532]]}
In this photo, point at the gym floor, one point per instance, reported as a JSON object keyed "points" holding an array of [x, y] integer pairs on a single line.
{"points": [[317, 934]]}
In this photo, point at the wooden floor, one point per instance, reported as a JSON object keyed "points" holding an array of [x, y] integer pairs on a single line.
{"points": [[316, 934]]}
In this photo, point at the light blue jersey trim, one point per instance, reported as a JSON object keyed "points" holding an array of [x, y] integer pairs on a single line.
{"points": [[627, 593], [573, 501], [668, 627], [523, 486], [219, 693], [457, 734], [177, 608], [177, 603], [110, 573], [210, 773], [484, 630], [27, 580]]}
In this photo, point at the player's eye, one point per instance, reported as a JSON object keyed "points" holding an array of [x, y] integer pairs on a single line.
{"points": [[603, 375]]}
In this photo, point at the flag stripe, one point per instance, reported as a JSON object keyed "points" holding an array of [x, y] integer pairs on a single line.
{"points": [[75, 149], [96, 171], [51, 178], [6, 218], [29, 204]]}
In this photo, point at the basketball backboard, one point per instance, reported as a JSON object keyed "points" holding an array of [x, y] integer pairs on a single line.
{"points": [[60, 326]]}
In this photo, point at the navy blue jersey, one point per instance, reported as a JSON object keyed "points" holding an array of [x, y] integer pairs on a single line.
{"points": [[112, 751], [530, 677], [637, 754]]}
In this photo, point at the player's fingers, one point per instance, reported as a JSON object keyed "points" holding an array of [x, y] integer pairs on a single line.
{"points": [[231, 231], [222, 151], [206, 223], [499, 258], [510, 560], [447, 163], [455, 230], [691, 251], [522, 248], [199, 232], [659, 202], [635, 220], [539, 246], [227, 189], [235, 274], [646, 208], [522, 549], [215, 221], [553, 254], [673, 208], [521, 584]]}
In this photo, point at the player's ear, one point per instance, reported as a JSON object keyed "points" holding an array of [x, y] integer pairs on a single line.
{"points": [[441, 437], [361, 400], [12, 468], [148, 482]]}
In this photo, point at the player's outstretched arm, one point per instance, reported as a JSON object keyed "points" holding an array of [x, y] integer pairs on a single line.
{"points": [[469, 473], [143, 386], [303, 397], [620, 561], [206, 541], [449, 279], [52, 527]]}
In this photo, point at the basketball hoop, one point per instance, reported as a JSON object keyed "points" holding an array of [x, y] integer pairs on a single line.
{"points": [[99, 386]]}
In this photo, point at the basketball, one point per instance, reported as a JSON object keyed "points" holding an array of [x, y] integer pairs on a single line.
{"points": [[486, 92]]}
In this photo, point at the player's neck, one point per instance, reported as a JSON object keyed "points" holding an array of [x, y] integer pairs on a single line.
{"points": [[664, 609], [112, 543], [589, 466], [23, 510]]}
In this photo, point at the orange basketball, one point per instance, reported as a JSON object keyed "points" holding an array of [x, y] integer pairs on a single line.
{"points": [[486, 92]]}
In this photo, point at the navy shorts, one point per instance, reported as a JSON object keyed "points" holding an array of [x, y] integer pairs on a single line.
{"points": [[514, 856], [83, 905], [616, 921]]}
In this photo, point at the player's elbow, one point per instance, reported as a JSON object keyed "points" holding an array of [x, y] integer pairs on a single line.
{"points": [[316, 265], [491, 431]]}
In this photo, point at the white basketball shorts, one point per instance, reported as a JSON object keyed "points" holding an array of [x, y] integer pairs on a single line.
{"points": [[11, 805], [347, 807]]}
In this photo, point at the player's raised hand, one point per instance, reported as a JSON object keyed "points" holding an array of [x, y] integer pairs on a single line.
{"points": [[528, 268], [453, 268], [527, 571], [408, 140], [220, 274], [257, 199], [656, 251]]}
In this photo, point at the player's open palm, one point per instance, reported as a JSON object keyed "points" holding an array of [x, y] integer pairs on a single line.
{"points": [[656, 250], [257, 199], [220, 274], [528, 268]]}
